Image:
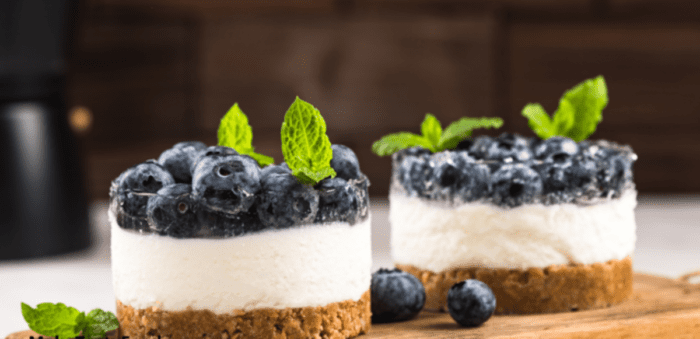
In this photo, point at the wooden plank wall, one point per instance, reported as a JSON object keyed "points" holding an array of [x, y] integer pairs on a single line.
{"points": [[156, 72]]}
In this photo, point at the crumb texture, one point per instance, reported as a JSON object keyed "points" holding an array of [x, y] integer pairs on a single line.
{"points": [[556, 288], [343, 319]]}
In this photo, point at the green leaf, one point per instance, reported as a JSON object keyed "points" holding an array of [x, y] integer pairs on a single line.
{"points": [[235, 132], [588, 100], [563, 119], [305, 145], [99, 322], [539, 120], [263, 160], [392, 143], [431, 129], [54, 320], [462, 128]]}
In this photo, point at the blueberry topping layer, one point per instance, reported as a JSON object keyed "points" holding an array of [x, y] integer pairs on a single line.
{"points": [[194, 191], [511, 170]]}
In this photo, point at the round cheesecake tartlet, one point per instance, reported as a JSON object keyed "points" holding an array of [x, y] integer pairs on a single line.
{"points": [[207, 244], [548, 225]]}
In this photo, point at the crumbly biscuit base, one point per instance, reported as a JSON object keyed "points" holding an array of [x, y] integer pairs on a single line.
{"points": [[556, 288], [343, 319]]}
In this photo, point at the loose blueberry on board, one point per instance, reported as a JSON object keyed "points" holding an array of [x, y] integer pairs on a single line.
{"points": [[179, 160], [172, 211], [396, 296], [212, 151], [470, 302], [284, 201], [556, 149], [131, 190], [515, 184], [338, 201], [345, 162], [226, 183], [511, 146]]}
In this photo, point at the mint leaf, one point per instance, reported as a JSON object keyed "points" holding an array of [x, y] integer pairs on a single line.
{"points": [[392, 143], [98, 323], [263, 160], [563, 119], [431, 129], [305, 145], [588, 99], [235, 132], [462, 128], [539, 121], [54, 320]]}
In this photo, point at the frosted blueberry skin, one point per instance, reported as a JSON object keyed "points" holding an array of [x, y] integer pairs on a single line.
{"points": [[129, 193], [230, 195], [510, 171]]}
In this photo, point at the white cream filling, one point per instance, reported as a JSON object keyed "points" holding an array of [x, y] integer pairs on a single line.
{"points": [[438, 237], [312, 265]]}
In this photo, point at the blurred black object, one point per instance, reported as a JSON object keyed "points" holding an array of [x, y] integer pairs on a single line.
{"points": [[43, 210]]}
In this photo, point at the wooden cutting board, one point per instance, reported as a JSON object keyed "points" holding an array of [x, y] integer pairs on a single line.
{"points": [[659, 308]]}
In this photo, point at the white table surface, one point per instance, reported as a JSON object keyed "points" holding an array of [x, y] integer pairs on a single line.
{"points": [[668, 244]]}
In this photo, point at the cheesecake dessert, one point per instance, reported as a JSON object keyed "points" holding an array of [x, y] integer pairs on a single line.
{"points": [[547, 223], [206, 243]]}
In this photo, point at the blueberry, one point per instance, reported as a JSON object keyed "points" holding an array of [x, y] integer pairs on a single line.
{"points": [[179, 159], [131, 190], [277, 169], [413, 174], [398, 157], [338, 201], [515, 184], [172, 211], [212, 152], [362, 184], [198, 145], [457, 174], [614, 171], [470, 302], [480, 146], [556, 149], [284, 201], [395, 295], [220, 224], [226, 183], [345, 162], [510, 146]]}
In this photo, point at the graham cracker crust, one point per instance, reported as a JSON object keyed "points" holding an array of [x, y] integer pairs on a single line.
{"points": [[343, 319], [556, 288]]}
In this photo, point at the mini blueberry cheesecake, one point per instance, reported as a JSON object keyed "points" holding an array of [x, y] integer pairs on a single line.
{"points": [[547, 223], [218, 242]]}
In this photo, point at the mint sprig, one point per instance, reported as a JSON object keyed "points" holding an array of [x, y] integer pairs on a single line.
{"points": [[235, 132], [59, 320], [433, 137], [579, 112], [305, 145]]}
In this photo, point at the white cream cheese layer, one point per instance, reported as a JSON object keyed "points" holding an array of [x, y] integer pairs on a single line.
{"points": [[312, 265], [438, 237]]}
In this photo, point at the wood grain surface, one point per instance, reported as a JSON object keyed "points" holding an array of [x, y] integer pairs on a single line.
{"points": [[659, 308]]}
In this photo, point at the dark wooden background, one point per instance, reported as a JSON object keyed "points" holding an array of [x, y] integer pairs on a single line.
{"points": [[155, 72]]}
